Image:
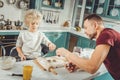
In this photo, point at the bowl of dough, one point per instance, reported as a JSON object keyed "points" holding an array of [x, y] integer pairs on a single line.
{"points": [[7, 62]]}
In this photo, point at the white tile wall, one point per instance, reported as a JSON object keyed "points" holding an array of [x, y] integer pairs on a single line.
{"points": [[10, 11]]}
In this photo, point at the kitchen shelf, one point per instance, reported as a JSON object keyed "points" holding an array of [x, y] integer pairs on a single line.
{"points": [[87, 7], [56, 4]]}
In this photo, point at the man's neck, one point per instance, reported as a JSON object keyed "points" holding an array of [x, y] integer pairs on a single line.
{"points": [[99, 31]]}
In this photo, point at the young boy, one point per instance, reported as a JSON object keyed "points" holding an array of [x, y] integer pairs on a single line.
{"points": [[29, 42]]}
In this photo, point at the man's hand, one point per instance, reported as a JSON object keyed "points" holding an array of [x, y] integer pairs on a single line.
{"points": [[71, 67], [62, 52]]}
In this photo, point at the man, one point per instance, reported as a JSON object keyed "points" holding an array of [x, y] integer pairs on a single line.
{"points": [[107, 48]]}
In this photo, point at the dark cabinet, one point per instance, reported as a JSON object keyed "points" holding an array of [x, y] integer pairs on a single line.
{"points": [[32, 4], [8, 42]]}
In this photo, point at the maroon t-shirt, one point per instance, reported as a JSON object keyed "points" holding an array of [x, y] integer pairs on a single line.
{"points": [[112, 62]]}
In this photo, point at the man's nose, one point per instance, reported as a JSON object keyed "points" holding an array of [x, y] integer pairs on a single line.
{"points": [[85, 32]]}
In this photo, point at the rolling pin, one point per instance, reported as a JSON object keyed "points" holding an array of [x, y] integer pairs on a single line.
{"points": [[46, 65], [39, 65]]}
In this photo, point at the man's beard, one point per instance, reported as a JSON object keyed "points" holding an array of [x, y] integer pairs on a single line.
{"points": [[92, 36]]}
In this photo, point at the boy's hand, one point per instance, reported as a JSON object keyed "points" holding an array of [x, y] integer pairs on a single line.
{"points": [[52, 46], [23, 58]]}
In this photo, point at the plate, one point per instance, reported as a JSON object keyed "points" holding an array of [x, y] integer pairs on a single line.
{"points": [[117, 2], [99, 10], [46, 2], [22, 5], [11, 1], [1, 4], [114, 12], [101, 1]]}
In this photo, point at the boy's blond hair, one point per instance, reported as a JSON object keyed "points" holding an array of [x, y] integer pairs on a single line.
{"points": [[32, 15]]}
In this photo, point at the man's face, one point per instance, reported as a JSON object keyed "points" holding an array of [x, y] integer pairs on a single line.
{"points": [[89, 28]]}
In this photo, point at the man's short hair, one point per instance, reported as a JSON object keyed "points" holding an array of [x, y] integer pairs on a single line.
{"points": [[93, 17]]}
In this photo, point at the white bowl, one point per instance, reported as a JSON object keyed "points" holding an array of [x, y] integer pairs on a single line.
{"points": [[57, 4], [114, 12], [117, 2], [7, 62], [99, 10]]}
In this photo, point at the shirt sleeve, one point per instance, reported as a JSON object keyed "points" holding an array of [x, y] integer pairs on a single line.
{"points": [[45, 40], [19, 41], [106, 38]]}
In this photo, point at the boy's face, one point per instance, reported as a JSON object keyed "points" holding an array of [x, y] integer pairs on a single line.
{"points": [[33, 26]]}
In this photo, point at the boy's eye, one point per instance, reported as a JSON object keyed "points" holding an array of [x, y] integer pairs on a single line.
{"points": [[34, 23]]}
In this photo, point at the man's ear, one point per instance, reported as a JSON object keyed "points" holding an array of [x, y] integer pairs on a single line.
{"points": [[95, 25]]}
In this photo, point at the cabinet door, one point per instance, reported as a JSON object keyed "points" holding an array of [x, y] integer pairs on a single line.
{"points": [[61, 40], [72, 41], [82, 8], [107, 8], [85, 43], [58, 38], [114, 9], [100, 7], [8, 42], [92, 44]]}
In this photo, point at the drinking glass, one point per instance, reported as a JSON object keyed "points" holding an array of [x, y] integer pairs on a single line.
{"points": [[77, 50], [27, 72]]}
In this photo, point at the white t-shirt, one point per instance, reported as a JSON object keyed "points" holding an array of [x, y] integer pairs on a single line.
{"points": [[30, 42]]}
